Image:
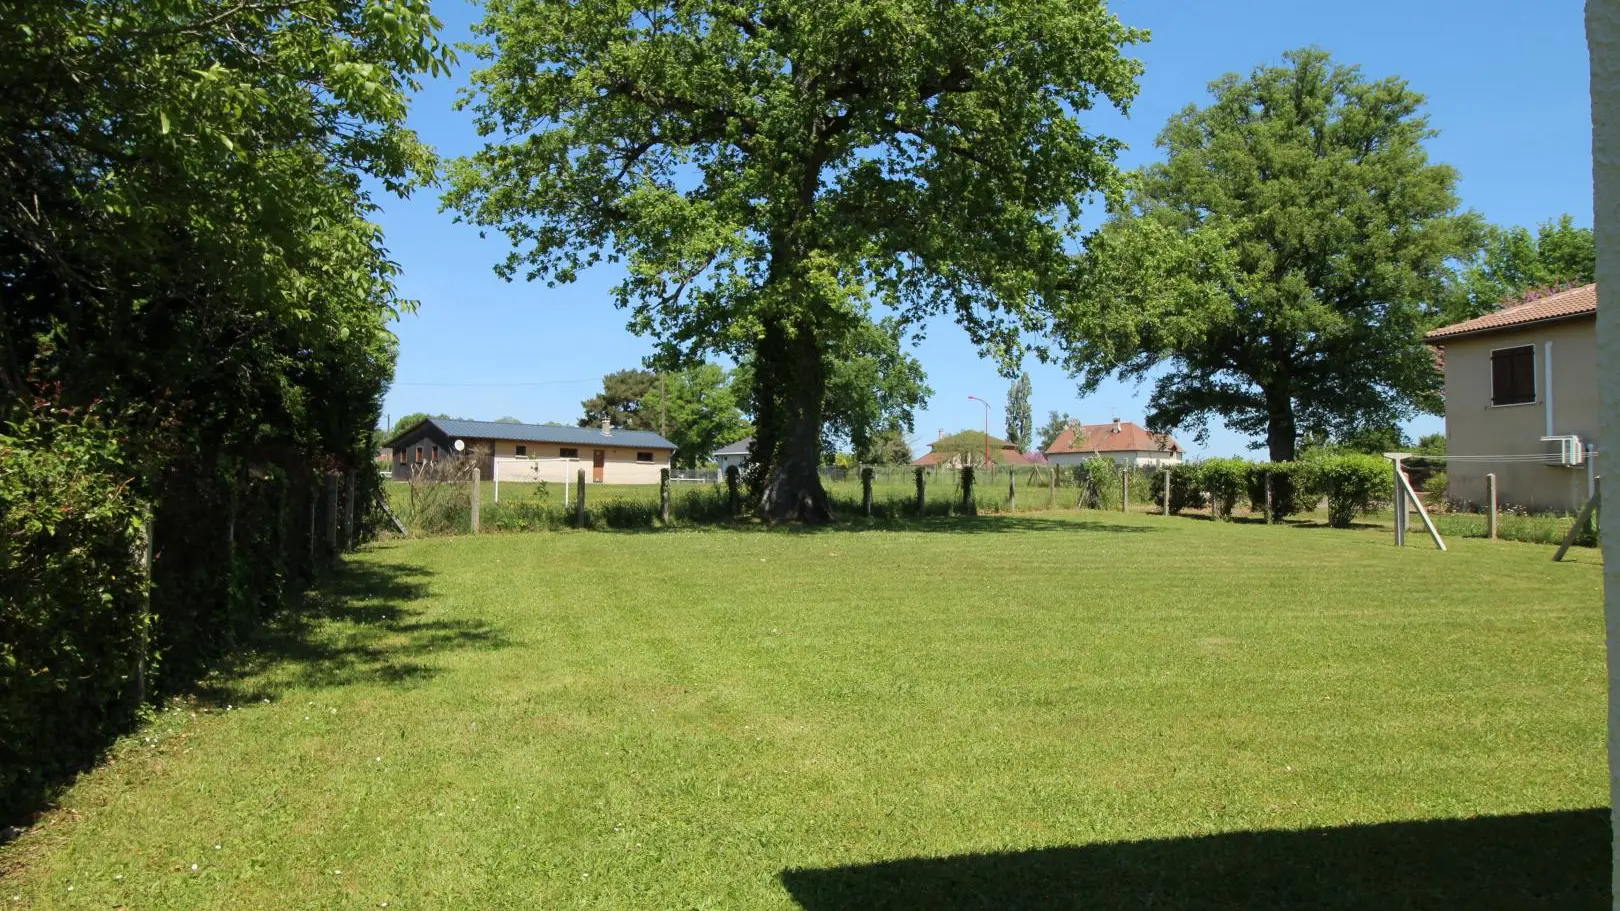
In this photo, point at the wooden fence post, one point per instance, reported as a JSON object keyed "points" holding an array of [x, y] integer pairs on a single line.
{"points": [[968, 506], [866, 491], [579, 502], [1581, 520], [733, 497], [1012, 489], [1051, 497], [331, 514], [1268, 498], [475, 499], [663, 495], [1490, 497], [922, 483], [348, 508]]}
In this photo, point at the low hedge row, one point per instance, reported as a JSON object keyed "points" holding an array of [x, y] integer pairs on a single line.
{"points": [[1352, 485]]}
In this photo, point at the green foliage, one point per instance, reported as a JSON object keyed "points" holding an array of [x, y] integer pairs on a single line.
{"points": [[1098, 480], [622, 401], [1293, 489], [1282, 262], [767, 175], [185, 253], [1020, 423], [1353, 484], [889, 447], [1512, 261], [1437, 491], [1227, 482], [1431, 444], [700, 408], [72, 599], [1053, 428]]}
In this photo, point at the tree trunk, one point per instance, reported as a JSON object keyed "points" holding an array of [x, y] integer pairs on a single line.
{"points": [[790, 386], [1282, 431]]}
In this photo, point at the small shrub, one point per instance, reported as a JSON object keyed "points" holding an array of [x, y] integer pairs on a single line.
{"points": [[1292, 489], [1435, 491], [1098, 480], [1354, 485], [1186, 488], [1227, 481]]}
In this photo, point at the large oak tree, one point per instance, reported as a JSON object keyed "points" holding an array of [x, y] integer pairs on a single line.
{"points": [[1278, 270], [768, 170]]}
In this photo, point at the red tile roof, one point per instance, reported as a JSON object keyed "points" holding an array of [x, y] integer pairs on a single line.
{"points": [[1571, 304], [1121, 437]]}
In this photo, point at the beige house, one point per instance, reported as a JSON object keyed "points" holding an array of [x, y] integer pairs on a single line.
{"points": [[1128, 444], [535, 452], [1522, 401]]}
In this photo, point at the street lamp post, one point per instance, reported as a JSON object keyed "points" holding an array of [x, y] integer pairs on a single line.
{"points": [[986, 428]]}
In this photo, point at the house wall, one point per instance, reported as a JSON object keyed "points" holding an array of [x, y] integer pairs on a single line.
{"points": [[620, 465], [1135, 458], [1475, 427]]}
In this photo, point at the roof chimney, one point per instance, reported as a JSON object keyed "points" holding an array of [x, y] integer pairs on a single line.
{"points": [[1116, 426], [607, 427]]}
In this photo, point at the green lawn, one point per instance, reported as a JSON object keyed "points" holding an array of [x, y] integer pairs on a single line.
{"points": [[1071, 710]]}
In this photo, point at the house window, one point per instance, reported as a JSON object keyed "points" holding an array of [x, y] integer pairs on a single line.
{"points": [[1513, 375], [418, 453], [522, 450], [643, 457], [568, 453]]}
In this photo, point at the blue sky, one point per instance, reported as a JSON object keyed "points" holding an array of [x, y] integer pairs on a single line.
{"points": [[1506, 83]]}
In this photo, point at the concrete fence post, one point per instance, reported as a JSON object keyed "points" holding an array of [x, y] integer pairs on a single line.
{"points": [[1167, 492], [579, 502], [476, 497], [1490, 499], [866, 491], [1125, 490], [663, 495]]}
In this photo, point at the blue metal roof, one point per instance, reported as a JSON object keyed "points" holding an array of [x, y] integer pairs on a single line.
{"points": [[738, 448], [546, 433]]}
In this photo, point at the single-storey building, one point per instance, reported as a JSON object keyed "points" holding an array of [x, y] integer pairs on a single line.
{"points": [[1129, 445], [735, 454], [535, 452], [968, 448], [1522, 400]]}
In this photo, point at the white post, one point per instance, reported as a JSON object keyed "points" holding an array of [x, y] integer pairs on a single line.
{"points": [[1603, 43], [1401, 506], [495, 477]]}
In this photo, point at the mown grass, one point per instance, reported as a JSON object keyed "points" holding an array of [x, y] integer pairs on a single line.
{"points": [[1089, 711]]}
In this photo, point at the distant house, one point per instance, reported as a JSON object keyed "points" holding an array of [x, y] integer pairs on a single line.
{"points": [[735, 454], [1128, 444], [549, 452], [1522, 400], [968, 448]]}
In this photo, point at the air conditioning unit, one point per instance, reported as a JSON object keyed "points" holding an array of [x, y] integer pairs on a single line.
{"points": [[1565, 450]]}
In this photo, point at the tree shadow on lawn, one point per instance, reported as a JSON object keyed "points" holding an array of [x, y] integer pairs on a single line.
{"points": [[362, 624], [989, 523], [1557, 860]]}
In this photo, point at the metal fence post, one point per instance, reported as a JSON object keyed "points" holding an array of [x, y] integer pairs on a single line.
{"points": [[1490, 497]]}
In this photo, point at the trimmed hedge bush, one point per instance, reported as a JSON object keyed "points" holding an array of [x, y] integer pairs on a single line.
{"points": [[1354, 485], [73, 603], [1227, 481]]}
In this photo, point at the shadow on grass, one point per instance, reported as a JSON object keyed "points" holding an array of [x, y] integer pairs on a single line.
{"points": [[989, 523], [1534, 861], [364, 624]]}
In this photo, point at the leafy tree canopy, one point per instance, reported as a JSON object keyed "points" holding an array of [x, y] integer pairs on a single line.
{"points": [[768, 171], [701, 406], [622, 401], [1278, 270], [1020, 422], [1512, 261], [1053, 428]]}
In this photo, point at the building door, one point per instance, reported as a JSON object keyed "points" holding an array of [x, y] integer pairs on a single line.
{"points": [[598, 461]]}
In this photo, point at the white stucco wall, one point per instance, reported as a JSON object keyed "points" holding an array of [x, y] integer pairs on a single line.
{"points": [[1603, 40], [1135, 458]]}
